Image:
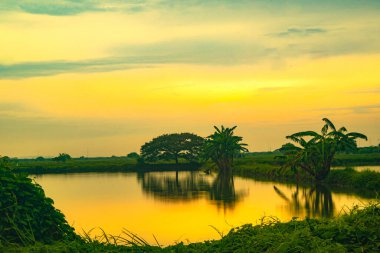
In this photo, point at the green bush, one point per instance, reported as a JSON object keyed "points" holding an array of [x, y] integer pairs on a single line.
{"points": [[363, 180], [27, 215]]}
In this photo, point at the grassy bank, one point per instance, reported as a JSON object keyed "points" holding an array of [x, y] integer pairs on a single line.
{"points": [[261, 163], [96, 165], [356, 231]]}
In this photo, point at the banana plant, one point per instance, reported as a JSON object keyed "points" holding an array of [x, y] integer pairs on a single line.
{"points": [[222, 146], [317, 150]]}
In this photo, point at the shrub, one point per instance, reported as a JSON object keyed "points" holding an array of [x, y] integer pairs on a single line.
{"points": [[27, 215]]}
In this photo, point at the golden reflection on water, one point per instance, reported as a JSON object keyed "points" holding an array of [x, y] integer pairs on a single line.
{"points": [[182, 206]]}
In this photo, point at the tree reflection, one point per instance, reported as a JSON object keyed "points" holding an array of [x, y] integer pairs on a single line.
{"points": [[315, 201], [187, 186], [223, 190]]}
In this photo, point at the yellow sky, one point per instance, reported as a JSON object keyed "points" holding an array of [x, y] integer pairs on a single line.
{"points": [[108, 81]]}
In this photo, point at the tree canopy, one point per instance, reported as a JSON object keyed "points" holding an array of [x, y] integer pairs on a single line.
{"points": [[133, 155], [173, 147]]}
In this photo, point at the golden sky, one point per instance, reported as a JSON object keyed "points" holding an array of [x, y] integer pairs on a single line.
{"points": [[88, 77]]}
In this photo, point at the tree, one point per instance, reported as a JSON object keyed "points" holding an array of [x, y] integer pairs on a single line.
{"points": [[4, 161], [222, 146], [288, 148], [173, 147], [133, 155], [316, 154], [62, 157]]}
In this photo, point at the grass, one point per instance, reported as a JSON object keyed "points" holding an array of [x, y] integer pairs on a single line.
{"points": [[358, 230], [96, 165], [258, 161]]}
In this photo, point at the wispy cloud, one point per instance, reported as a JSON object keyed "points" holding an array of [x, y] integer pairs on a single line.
{"points": [[48, 68], [354, 109], [70, 7], [144, 56], [300, 32]]}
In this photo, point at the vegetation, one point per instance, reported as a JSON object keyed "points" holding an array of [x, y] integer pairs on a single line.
{"points": [[223, 146], [79, 165], [173, 147], [356, 231], [62, 157], [27, 215], [368, 150], [133, 155], [315, 156]]}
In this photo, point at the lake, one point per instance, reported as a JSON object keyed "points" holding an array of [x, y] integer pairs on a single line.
{"points": [[183, 206]]}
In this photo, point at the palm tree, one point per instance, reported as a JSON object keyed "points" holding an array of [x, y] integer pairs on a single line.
{"points": [[222, 146], [316, 154]]}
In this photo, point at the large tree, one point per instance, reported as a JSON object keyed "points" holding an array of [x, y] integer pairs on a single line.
{"points": [[173, 147], [222, 146], [315, 154]]}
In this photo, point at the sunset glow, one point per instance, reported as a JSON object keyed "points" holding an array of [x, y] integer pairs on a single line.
{"points": [[101, 79]]}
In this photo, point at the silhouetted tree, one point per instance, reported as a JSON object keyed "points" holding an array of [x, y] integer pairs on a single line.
{"points": [[173, 147], [222, 146], [315, 155], [133, 155], [62, 157]]}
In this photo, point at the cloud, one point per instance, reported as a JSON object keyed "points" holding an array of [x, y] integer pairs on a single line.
{"points": [[45, 127], [32, 69], [300, 32], [354, 109], [144, 56], [199, 51], [70, 7], [74, 7]]}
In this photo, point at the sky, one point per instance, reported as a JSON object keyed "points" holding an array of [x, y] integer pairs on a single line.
{"points": [[101, 78]]}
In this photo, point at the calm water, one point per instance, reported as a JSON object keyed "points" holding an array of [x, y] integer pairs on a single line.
{"points": [[181, 207]]}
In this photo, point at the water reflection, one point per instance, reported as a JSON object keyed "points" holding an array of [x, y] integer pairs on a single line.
{"points": [[316, 201], [187, 186], [223, 191], [182, 205]]}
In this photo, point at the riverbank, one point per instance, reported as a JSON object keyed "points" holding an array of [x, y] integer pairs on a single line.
{"points": [[261, 162], [356, 231], [98, 165], [263, 167]]}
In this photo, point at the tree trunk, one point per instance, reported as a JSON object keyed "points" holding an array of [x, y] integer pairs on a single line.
{"points": [[176, 158]]}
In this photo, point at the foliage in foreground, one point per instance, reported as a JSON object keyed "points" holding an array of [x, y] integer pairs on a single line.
{"points": [[27, 215], [356, 231]]}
